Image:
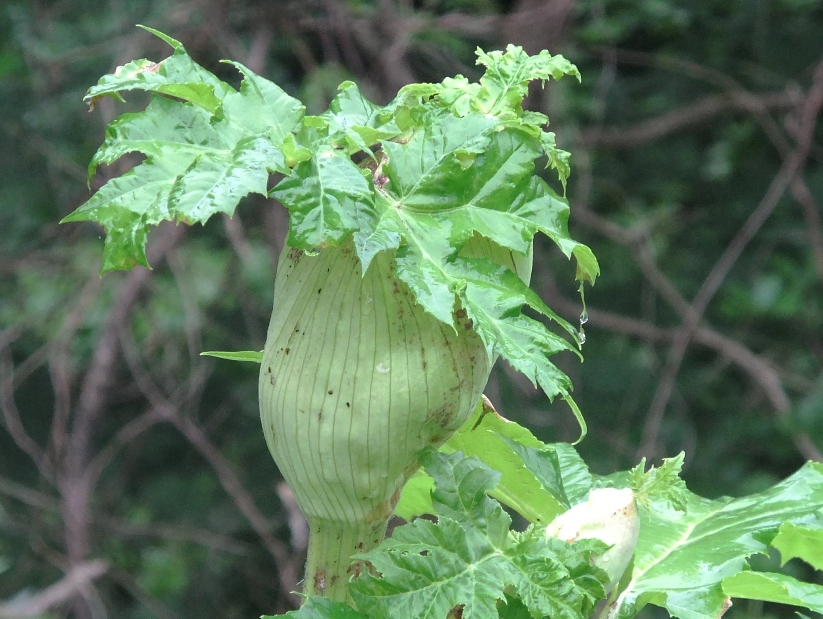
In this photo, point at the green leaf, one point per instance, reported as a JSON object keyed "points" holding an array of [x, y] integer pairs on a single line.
{"points": [[537, 480], [801, 542], [559, 469], [165, 129], [360, 122], [508, 75], [779, 588], [173, 186], [261, 106], [127, 206], [426, 172], [321, 608], [213, 185], [415, 500], [587, 267], [251, 356], [455, 163], [178, 76], [202, 156], [328, 198], [490, 437], [682, 559], [493, 303], [468, 558], [661, 483]]}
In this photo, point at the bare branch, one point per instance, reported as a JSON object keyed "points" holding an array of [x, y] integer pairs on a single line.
{"points": [[57, 594], [13, 421], [790, 168], [298, 527], [73, 483], [762, 374], [677, 120], [814, 225], [28, 496], [184, 533], [226, 474], [152, 604]]}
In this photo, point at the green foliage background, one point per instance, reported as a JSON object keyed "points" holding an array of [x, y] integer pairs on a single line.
{"points": [[685, 115]]}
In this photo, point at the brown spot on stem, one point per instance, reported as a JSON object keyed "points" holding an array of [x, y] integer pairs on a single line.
{"points": [[441, 416]]}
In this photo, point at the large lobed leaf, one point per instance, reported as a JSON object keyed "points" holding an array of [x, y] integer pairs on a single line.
{"points": [[203, 154], [691, 562], [537, 480], [692, 553], [691, 556], [470, 560]]}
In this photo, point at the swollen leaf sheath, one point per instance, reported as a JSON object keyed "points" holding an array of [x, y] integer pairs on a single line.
{"points": [[357, 379]]}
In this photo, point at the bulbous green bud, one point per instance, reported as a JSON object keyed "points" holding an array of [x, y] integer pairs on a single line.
{"points": [[610, 515], [356, 380]]}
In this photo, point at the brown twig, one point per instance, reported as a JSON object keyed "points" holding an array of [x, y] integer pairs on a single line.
{"points": [[13, 421], [225, 472], [183, 533], [60, 366], [76, 579], [677, 120], [814, 226], [790, 168], [93, 396], [28, 496]]}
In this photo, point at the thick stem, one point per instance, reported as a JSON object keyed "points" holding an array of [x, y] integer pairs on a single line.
{"points": [[331, 546]]}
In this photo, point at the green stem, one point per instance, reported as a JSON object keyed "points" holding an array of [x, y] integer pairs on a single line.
{"points": [[331, 546]]}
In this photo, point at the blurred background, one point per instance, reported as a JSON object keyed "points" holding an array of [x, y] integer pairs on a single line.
{"points": [[134, 479]]}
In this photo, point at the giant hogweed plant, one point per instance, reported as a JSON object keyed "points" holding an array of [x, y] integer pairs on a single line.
{"points": [[403, 279]]}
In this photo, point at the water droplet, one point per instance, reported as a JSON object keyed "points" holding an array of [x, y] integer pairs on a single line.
{"points": [[314, 251], [584, 317], [581, 335]]}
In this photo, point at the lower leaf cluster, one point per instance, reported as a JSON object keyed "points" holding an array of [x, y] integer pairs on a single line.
{"points": [[469, 563]]}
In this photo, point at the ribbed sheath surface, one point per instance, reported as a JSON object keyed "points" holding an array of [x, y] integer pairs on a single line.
{"points": [[356, 379]]}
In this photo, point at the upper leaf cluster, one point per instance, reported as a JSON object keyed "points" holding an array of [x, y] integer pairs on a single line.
{"points": [[421, 177]]}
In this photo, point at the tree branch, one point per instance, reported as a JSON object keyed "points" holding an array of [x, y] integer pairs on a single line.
{"points": [[224, 470], [59, 593], [677, 120], [788, 171]]}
